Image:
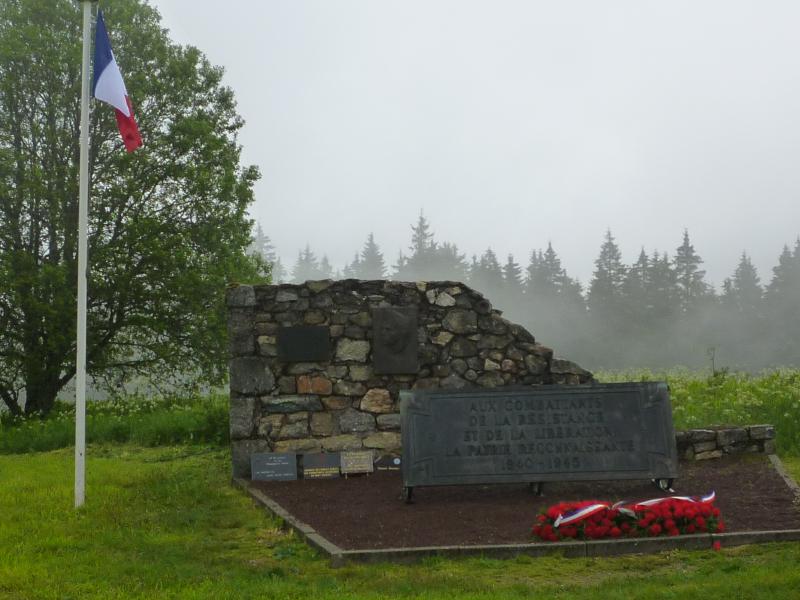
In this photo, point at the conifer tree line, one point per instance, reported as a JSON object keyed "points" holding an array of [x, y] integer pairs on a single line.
{"points": [[657, 312]]}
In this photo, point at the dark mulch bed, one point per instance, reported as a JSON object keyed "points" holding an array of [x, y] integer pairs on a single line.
{"points": [[365, 512]]}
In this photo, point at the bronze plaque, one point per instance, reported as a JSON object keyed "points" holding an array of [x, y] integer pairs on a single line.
{"points": [[357, 462], [304, 343], [394, 340]]}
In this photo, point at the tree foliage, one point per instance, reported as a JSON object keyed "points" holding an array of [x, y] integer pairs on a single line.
{"points": [[168, 225]]}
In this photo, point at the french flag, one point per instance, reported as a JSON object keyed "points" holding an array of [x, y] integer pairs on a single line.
{"points": [[109, 87]]}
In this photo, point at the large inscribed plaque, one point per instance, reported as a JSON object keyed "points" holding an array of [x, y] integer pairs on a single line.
{"points": [[394, 340], [304, 343], [550, 433]]}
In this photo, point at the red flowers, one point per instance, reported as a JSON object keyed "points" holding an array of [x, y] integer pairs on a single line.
{"points": [[591, 520]]}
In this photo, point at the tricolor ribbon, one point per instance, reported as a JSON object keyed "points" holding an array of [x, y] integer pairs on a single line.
{"points": [[624, 507]]}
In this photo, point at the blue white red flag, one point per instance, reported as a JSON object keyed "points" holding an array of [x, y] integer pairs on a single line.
{"points": [[110, 88]]}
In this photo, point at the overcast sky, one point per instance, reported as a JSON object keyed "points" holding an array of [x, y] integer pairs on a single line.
{"points": [[511, 124]]}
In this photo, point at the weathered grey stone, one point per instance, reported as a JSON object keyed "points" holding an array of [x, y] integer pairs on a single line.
{"points": [[487, 341], [492, 379], [493, 324], [267, 346], [349, 388], [442, 338], [353, 421], [336, 330], [769, 446], [461, 321], [336, 371], [241, 296], [430, 296], [453, 382], [522, 334], [561, 366], [761, 432], [250, 375], [242, 416], [319, 285], [390, 421], [440, 370], [535, 363], [377, 400], [337, 443], [297, 417], [301, 445], [240, 455], [336, 402], [459, 366], [490, 365], [313, 317], [304, 368], [322, 423], [708, 455], [290, 404], [269, 424], [285, 296], [352, 350], [461, 347], [702, 435], [240, 333], [508, 365], [383, 440], [292, 431], [728, 437], [287, 385], [445, 299], [362, 319], [426, 383], [470, 375], [360, 372], [704, 446]]}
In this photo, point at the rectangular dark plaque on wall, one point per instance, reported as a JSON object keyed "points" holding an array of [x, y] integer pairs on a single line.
{"points": [[278, 466], [304, 343], [394, 340], [321, 465], [551, 433]]}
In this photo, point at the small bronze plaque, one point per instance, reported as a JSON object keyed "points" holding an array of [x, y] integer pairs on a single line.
{"points": [[304, 343], [387, 462], [357, 462], [394, 340], [321, 465]]}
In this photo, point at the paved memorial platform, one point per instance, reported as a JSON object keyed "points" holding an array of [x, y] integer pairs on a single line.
{"points": [[363, 519]]}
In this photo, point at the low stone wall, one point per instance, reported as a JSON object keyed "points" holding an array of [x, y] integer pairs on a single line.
{"points": [[347, 401], [703, 444]]}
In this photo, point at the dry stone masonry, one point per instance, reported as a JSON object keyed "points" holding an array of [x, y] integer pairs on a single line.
{"points": [[368, 341], [703, 444]]}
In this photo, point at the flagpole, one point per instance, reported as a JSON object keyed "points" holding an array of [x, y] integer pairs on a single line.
{"points": [[83, 218]]}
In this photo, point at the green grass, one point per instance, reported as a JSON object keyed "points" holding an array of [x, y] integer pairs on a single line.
{"points": [[165, 523], [701, 400], [142, 421]]}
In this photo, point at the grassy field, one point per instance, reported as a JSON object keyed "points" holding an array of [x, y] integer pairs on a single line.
{"points": [[165, 523], [162, 520]]}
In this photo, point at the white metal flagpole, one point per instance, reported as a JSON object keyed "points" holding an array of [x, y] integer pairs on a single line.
{"points": [[83, 219]]}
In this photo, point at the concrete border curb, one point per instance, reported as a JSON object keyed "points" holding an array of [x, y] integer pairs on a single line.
{"points": [[581, 549]]}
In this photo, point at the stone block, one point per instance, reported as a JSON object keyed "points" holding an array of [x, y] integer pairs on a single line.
{"points": [[241, 296], [453, 382], [286, 296], [250, 376], [383, 440], [299, 445], [389, 422], [461, 347], [297, 417], [242, 416], [314, 384], [535, 363], [349, 388], [319, 285], [442, 338], [337, 443], [353, 421], [287, 385], [314, 317], [336, 402], [444, 299], [269, 424], [360, 372], [304, 368], [377, 400], [490, 365], [704, 446], [761, 432], [491, 379], [362, 319], [460, 321], [290, 404], [702, 435], [729, 437], [240, 455], [322, 423], [292, 431], [769, 447], [708, 455], [352, 350]]}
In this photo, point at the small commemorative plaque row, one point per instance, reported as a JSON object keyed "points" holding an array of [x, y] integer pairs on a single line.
{"points": [[286, 466]]}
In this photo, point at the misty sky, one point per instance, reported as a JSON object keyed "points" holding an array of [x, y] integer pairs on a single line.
{"points": [[512, 124]]}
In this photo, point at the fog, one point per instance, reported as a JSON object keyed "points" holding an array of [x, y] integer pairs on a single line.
{"points": [[510, 125]]}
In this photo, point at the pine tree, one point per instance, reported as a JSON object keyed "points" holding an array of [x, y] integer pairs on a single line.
{"points": [[744, 292], [635, 290], [691, 287], [512, 277], [371, 265], [325, 268], [486, 275], [351, 270], [605, 289], [308, 267], [661, 289]]}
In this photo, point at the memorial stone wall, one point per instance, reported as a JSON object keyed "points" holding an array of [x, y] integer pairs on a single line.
{"points": [[318, 366]]}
